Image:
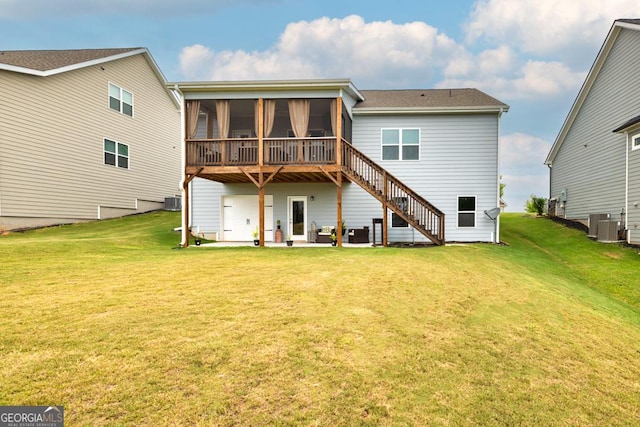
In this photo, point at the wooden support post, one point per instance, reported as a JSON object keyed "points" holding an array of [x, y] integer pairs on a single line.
{"points": [[260, 131], [339, 131], [261, 183], [385, 197], [261, 202], [339, 204], [185, 213], [185, 206], [384, 224], [261, 207], [339, 162]]}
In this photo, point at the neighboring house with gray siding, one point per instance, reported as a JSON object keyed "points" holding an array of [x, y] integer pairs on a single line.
{"points": [[84, 135], [594, 162], [408, 158]]}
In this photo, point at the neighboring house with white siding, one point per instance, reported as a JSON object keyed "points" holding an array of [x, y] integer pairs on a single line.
{"points": [[422, 163], [594, 163], [84, 135]]}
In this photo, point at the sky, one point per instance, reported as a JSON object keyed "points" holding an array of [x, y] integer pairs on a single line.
{"points": [[530, 54]]}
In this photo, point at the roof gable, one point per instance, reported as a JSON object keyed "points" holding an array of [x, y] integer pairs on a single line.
{"points": [[612, 36], [45, 63], [50, 62]]}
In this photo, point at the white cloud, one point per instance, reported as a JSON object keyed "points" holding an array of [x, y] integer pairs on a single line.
{"points": [[521, 151], [546, 27], [195, 57], [531, 80], [499, 61], [376, 54], [384, 55], [519, 188], [522, 157], [547, 79]]}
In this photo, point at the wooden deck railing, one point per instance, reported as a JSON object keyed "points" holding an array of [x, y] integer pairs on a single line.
{"points": [[277, 151], [222, 152], [395, 195], [300, 151]]}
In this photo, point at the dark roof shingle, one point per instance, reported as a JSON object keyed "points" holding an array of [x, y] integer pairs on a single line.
{"points": [[46, 60], [428, 99]]}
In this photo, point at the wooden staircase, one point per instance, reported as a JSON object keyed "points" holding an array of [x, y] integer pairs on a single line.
{"points": [[393, 194]]}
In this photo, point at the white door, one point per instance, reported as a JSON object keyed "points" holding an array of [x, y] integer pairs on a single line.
{"points": [[241, 216], [297, 217]]}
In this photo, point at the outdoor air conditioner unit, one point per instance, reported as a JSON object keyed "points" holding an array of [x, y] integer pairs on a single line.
{"points": [[594, 220], [608, 231], [172, 204]]}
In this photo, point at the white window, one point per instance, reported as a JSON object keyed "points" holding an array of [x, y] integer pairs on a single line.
{"points": [[400, 144], [116, 154], [635, 142], [466, 211], [120, 100]]}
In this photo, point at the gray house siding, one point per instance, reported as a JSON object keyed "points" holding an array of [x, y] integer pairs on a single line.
{"points": [[458, 157], [207, 198], [51, 148], [590, 163]]}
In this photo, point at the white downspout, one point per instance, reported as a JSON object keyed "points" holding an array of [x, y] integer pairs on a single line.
{"points": [[497, 220], [626, 189], [183, 165]]}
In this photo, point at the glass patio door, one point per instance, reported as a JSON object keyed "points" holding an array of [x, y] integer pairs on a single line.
{"points": [[297, 217]]}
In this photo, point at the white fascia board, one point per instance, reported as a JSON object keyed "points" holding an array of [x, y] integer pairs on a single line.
{"points": [[79, 65], [284, 94], [252, 87], [21, 70], [435, 110]]}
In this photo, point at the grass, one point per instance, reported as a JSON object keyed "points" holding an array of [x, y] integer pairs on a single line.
{"points": [[111, 321]]}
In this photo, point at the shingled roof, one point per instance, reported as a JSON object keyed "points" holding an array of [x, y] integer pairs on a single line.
{"points": [[50, 60], [428, 99]]}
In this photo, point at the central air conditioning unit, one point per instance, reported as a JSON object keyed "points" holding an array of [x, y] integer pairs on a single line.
{"points": [[608, 231], [172, 204], [594, 220]]}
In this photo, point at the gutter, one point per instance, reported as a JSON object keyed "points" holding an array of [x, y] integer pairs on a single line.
{"points": [[430, 110]]}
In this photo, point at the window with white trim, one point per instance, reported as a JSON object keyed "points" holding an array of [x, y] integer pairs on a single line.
{"points": [[635, 142], [116, 154], [401, 144], [466, 211], [120, 100]]}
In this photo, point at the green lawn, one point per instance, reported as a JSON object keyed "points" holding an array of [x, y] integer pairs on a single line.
{"points": [[112, 321]]}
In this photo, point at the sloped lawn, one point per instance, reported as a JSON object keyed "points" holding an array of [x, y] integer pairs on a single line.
{"points": [[112, 321]]}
